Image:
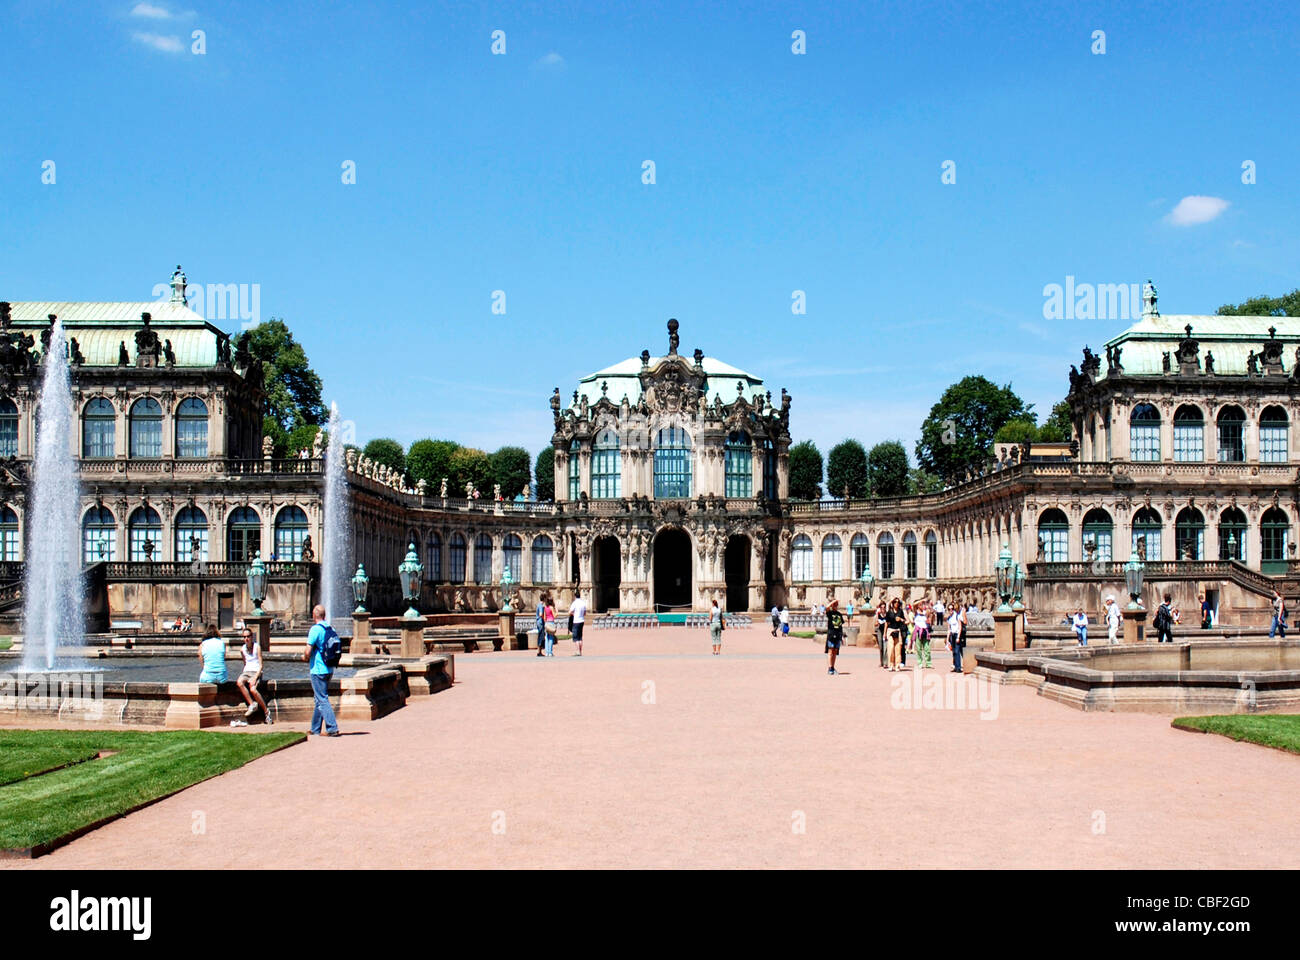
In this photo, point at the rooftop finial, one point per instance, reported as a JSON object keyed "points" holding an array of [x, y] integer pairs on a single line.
{"points": [[673, 339], [1149, 301], [178, 287]]}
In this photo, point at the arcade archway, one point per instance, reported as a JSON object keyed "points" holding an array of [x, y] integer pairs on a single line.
{"points": [[672, 569], [737, 573], [606, 574]]}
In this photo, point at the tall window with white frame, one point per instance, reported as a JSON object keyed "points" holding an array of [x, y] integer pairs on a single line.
{"points": [[290, 533], [1232, 535], [512, 553], [1147, 528], [98, 536], [739, 465], [801, 559], [1054, 536], [1274, 533], [606, 467], [885, 555], [543, 556], [770, 484], [8, 428], [931, 555], [861, 548], [98, 430], [146, 429], [433, 558], [672, 464], [144, 535], [1189, 534], [1189, 434], [575, 471], [1273, 429], [1232, 435], [10, 541], [483, 558], [456, 550], [192, 429], [1099, 534], [909, 555], [832, 552], [243, 535], [1144, 433], [191, 532]]}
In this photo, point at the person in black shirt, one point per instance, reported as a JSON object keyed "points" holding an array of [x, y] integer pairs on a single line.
{"points": [[834, 633], [896, 629]]}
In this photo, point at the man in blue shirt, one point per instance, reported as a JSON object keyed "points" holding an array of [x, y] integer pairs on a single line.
{"points": [[320, 673]]}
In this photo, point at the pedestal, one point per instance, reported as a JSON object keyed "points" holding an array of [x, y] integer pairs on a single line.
{"points": [[851, 637], [361, 633], [261, 627], [506, 633], [1135, 619], [412, 636], [1004, 630]]}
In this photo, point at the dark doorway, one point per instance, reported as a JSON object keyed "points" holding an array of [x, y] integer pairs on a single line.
{"points": [[672, 565], [737, 573], [225, 611], [606, 574]]}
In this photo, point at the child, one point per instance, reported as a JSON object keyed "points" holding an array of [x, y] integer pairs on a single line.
{"points": [[834, 633]]}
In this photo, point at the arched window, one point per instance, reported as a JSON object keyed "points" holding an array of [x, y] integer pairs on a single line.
{"points": [[1189, 534], [606, 467], [1274, 531], [672, 464], [243, 535], [770, 485], [98, 536], [1147, 527], [1232, 435], [10, 542], [1054, 536], [543, 559], [739, 465], [1232, 535], [801, 559], [1099, 531], [1144, 433], [192, 428], [290, 531], [861, 549], [482, 558], [1189, 434], [832, 550], [575, 471], [8, 428], [1273, 428], [146, 429], [98, 430], [909, 555], [433, 558], [191, 531], [931, 555], [512, 550], [144, 535], [885, 554], [456, 559]]}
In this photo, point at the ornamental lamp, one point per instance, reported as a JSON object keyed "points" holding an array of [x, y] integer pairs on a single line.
{"points": [[410, 573], [868, 583], [507, 582], [1018, 589], [257, 584], [1002, 576], [1134, 570], [360, 587]]}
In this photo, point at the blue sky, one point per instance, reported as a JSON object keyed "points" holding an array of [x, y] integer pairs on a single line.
{"points": [[774, 172]]}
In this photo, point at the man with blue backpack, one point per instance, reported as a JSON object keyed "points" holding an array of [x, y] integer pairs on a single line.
{"points": [[323, 651]]}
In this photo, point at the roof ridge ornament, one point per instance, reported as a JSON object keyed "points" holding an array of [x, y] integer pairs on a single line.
{"points": [[673, 339], [178, 287], [1149, 298]]}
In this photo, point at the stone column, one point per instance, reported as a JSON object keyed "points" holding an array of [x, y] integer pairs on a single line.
{"points": [[361, 633], [412, 636], [1134, 624], [1004, 631], [261, 627]]}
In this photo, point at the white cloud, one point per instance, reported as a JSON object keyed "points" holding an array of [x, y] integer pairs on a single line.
{"points": [[152, 12], [551, 59], [159, 42], [1196, 209]]}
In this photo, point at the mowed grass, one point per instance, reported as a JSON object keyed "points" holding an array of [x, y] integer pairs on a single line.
{"points": [[37, 810], [6, 643], [1280, 730]]}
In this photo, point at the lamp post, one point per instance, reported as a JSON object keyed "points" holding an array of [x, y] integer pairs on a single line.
{"points": [[1018, 589], [361, 616], [259, 619], [1004, 618], [868, 583], [506, 615], [410, 573], [1135, 614]]}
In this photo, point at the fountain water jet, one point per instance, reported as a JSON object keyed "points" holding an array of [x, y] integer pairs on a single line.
{"points": [[54, 591], [336, 550]]}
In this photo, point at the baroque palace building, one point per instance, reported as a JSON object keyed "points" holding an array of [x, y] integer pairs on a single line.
{"points": [[671, 484]]}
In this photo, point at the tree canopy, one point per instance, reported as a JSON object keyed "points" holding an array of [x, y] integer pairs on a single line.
{"points": [[1287, 305], [887, 469], [958, 433], [293, 389], [430, 461], [805, 471], [387, 451], [846, 469], [469, 465], [510, 468], [544, 471]]}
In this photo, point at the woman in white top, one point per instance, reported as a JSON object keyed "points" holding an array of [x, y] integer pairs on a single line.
{"points": [[251, 675]]}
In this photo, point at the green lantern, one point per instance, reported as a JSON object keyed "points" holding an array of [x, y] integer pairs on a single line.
{"points": [[1134, 571], [1018, 589], [410, 573], [257, 584], [360, 588], [868, 583], [1003, 576]]}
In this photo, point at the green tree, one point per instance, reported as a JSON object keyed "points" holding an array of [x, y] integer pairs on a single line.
{"points": [[387, 451], [887, 469], [510, 468], [1017, 431], [469, 465], [430, 461], [293, 389], [958, 433], [846, 469], [919, 482], [1058, 427], [301, 437], [544, 471], [1287, 305], [805, 471]]}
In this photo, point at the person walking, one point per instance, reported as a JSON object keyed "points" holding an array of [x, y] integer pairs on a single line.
{"points": [[954, 638], [1279, 616], [1164, 621], [1081, 627], [776, 620], [322, 650], [1112, 620], [715, 626], [251, 675], [881, 642], [1205, 612], [212, 654], [921, 638], [785, 620], [541, 625], [577, 618], [549, 625], [896, 627], [834, 633]]}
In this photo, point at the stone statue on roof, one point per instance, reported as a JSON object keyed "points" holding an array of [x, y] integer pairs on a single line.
{"points": [[168, 353], [147, 345], [123, 358], [673, 339]]}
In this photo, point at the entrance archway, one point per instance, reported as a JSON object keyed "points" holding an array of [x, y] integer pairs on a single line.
{"points": [[606, 574], [736, 569], [672, 569]]}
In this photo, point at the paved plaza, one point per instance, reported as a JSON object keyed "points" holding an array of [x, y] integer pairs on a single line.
{"points": [[650, 752]]}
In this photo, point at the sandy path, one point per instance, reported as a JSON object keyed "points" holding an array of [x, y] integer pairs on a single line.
{"points": [[561, 762]]}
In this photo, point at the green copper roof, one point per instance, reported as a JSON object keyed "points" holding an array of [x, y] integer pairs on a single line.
{"points": [[100, 328], [1230, 339]]}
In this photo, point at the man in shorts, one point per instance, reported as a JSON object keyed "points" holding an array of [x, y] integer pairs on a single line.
{"points": [[834, 633], [577, 617]]}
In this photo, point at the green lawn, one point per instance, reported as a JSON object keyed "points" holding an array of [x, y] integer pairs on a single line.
{"points": [[38, 810], [1280, 730], [804, 634], [6, 643]]}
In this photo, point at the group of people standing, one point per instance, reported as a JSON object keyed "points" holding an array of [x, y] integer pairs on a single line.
{"points": [[548, 625], [906, 628]]}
